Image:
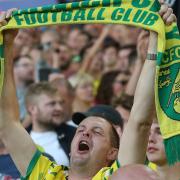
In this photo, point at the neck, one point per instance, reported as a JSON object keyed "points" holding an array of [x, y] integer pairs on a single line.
{"points": [[163, 170], [81, 173], [85, 171], [41, 128], [19, 83]]}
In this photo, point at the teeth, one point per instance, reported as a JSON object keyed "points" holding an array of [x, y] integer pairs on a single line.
{"points": [[83, 146], [84, 142]]}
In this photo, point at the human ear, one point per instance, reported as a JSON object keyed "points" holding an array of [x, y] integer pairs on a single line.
{"points": [[112, 154]]}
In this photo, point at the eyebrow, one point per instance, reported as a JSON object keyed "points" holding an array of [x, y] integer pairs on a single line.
{"points": [[95, 127], [81, 126]]}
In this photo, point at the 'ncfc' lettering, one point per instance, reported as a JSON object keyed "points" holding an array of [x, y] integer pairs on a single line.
{"points": [[172, 54], [80, 15]]}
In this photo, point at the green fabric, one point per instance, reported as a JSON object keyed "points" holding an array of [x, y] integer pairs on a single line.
{"points": [[32, 164], [172, 149]]}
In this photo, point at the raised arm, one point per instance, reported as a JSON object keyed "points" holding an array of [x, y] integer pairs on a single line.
{"points": [[17, 141], [142, 43], [135, 136], [94, 49]]}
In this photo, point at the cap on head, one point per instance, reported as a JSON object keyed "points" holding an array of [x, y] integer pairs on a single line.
{"points": [[103, 111]]}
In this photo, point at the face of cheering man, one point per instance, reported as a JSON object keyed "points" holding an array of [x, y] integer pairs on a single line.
{"points": [[92, 145]]}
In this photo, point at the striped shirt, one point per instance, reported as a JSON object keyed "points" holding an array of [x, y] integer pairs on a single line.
{"points": [[41, 168]]}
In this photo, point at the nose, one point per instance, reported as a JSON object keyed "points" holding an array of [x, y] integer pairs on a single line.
{"points": [[58, 107], [152, 138], [90, 88], [31, 68], [86, 134]]}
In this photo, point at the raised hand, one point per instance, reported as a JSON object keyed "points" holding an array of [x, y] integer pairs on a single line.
{"points": [[167, 13], [9, 35]]}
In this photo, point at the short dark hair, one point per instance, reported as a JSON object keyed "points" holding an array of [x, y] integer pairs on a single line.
{"points": [[115, 141], [110, 42], [114, 137]]}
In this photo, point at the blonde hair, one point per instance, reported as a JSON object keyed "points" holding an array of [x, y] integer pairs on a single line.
{"points": [[80, 79], [38, 89]]}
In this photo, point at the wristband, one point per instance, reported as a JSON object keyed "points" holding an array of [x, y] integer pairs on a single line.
{"points": [[151, 56]]}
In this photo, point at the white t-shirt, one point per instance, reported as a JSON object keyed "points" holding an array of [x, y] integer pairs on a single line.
{"points": [[49, 141]]}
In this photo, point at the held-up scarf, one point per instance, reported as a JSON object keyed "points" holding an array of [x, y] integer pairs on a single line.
{"points": [[141, 13]]}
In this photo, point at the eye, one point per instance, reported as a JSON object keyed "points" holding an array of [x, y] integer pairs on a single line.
{"points": [[61, 103], [79, 130], [158, 132], [52, 103], [98, 132]]}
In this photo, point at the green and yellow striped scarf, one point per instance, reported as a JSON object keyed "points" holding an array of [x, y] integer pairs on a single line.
{"points": [[141, 13]]}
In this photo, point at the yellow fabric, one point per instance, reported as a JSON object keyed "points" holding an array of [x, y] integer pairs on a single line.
{"points": [[42, 168], [152, 166], [96, 85], [168, 85]]}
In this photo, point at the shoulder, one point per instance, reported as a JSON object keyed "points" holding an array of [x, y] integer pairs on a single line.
{"points": [[41, 166], [106, 172]]}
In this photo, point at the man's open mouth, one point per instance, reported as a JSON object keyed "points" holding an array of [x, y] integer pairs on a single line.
{"points": [[83, 146]]}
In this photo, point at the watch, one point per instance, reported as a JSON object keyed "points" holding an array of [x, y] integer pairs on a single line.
{"points": [[151, 56]]}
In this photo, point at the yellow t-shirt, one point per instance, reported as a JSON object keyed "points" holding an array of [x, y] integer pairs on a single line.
{"points": [[41, 168]]}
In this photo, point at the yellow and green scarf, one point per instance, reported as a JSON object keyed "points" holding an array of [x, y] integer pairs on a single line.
{"points": [[141, 13]]}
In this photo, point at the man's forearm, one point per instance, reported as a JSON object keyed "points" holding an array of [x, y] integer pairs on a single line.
{"points": [[144, 94], [135, 135], [15, 138], [8, 96]]}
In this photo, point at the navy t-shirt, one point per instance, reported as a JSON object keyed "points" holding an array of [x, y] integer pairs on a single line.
{"points": [[7, 167]]}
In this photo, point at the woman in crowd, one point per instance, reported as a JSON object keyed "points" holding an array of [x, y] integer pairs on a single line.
{"points": [[84, 92]]}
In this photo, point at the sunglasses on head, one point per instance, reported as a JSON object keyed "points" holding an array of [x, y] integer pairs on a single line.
{"points": [[45, 46]]}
